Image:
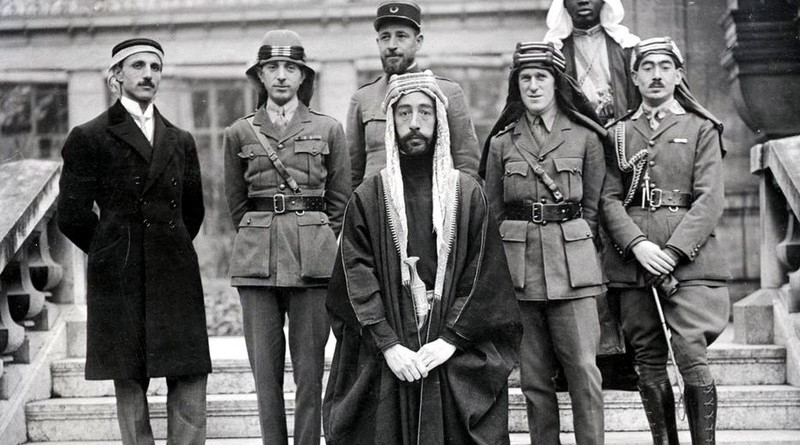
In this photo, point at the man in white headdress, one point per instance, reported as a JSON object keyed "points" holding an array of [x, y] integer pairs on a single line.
{"points": [[421, 300], [598, 49]]}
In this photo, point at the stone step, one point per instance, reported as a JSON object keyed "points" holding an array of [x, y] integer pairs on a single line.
{"points": [[773, 407], [731, 364], [732, 437]]}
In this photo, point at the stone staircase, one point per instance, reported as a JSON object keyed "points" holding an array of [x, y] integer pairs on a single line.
{"points": [[756, 406]]}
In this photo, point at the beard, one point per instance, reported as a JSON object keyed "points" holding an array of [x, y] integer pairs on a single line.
{"points": [[415, 144], [395, 66]]}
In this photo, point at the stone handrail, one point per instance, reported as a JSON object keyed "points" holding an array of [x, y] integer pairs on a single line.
{"points": [[777, 163], [28, 237]]}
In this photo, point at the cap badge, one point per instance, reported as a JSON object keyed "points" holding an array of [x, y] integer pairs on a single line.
{"points": [[394, 9]]}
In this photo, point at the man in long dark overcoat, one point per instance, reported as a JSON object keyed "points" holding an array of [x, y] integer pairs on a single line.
{"points": [[146, 316]]}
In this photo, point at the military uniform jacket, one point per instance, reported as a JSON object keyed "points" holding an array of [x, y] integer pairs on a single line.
{"points": [[145, 311], [366, 129], [684, 154], [553, 260], [292, 249]]}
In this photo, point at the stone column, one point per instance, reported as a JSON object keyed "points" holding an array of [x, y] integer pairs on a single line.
{"points": [[337, 82]]}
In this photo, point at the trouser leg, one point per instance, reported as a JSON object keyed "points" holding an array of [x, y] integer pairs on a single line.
{"points": [[537, 374], [263, 320], [575, 332], [308, 333], [186, 409], [132, 412], [642, 327]]}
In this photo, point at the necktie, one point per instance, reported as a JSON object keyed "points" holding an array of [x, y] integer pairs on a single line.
{"points": [[539, 131], [280, 119], [654, 118], [144, 124]]}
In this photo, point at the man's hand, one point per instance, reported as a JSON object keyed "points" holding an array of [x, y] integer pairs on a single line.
{"points": [[404, 363], [435, 353], [654, 259]]}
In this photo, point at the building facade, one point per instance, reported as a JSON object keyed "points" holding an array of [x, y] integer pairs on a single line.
{"points": [[54, 55]]}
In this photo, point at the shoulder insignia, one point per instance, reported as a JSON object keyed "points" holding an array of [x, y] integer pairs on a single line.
{"points": [[507, 128], [370, 82], [625, 116], [246, 116]]}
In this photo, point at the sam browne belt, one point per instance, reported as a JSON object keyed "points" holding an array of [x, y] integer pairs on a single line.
{"points": [[281, 203], [540, 213], [662, 198]]}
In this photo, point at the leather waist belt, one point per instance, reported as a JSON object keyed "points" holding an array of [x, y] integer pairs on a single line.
{"points": [[281, 203], [661, 198], [541, 213]]}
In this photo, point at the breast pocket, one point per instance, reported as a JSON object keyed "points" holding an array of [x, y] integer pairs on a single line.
{"points": [[259, 168], [251, 247], [317, 245], [570, 177], [311, 154], [516, 182], [583, 263], [513, 234]]}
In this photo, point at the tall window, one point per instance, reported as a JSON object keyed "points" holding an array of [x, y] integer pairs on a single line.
{"points": [[33, 120], [215, 105]]}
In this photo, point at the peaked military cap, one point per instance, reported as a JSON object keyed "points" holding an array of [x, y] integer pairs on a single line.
{"points": [[407, 12]]}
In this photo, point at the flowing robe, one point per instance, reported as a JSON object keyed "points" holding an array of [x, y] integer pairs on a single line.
{"points": [[464, 400]]}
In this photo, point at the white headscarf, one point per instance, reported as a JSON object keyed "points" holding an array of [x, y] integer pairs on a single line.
{"points": [[445, 176], [559, 23]]}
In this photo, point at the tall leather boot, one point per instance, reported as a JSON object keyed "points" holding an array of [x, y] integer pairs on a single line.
{"points": [[659, 406], [701, 411]]}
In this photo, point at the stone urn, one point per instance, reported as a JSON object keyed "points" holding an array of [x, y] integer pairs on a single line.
{"points": [[762, 57]]}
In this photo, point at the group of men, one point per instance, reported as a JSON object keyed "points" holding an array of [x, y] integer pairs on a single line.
{"points": [[384, 235]]}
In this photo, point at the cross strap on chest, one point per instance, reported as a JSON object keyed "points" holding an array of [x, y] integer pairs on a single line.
{"points": [[273, 157]]}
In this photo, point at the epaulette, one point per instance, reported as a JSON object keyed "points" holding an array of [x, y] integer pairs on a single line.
{"points": [[627, 115], [446, 79], [507, 128], [245, 117], [319, 113], [370, 82]]}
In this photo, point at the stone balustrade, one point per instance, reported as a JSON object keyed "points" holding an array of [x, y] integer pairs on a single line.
{"points": [[777, 163], [32, 255]]}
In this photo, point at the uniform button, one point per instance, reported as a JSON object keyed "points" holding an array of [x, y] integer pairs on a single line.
{"points": [[252, 155], [171, 224], [541, 158], [314, 151], [588, 235], [282, 186], [174, 181], [146, 222], [173, 204], [652, 163], [280, 146], [249, 221], [651, 143], [141, 200], [543, 200], [137, 180]]}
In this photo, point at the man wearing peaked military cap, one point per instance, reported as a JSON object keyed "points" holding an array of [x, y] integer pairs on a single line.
{"points": [[287, 179], [544, 171], [146, 316], [662, 200], [399, 28]]}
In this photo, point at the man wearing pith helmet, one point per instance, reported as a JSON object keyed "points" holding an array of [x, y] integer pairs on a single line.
{"points": [[662, 199], [399, 37], [287, 179], [146, 316]]}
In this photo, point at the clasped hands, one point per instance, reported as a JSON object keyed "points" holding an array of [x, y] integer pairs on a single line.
{"points": [[410, 366], [656, 261]]}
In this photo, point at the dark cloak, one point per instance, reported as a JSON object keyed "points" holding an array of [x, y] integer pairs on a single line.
{"points": [[464, 400]]}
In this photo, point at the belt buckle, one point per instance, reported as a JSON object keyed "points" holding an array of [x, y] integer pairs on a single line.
{"points": [[656, 197], [537, 208], [279, 203]]}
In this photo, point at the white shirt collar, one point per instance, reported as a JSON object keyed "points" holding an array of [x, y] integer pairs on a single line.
{"points": [[135, 109], [672, 106], [288, 108]]}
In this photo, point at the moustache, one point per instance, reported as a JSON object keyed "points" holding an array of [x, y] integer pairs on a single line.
{"points": [[414, 134], [656, 83], [147, 83]]}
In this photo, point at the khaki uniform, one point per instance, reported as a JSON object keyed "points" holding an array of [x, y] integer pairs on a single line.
{"points": [[366, 129], [292, 248], [555, 269]]}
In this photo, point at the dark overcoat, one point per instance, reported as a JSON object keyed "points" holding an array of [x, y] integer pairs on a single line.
{"points": [[146, 316]]}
